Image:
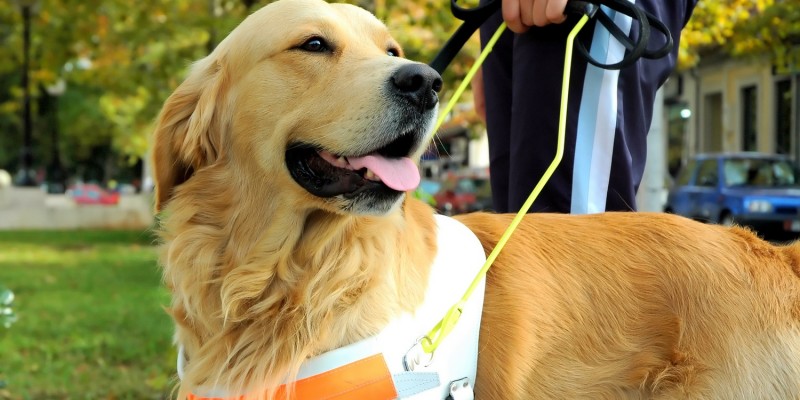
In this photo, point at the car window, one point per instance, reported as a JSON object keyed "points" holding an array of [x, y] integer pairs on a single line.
{"points": [[737, 171], [785, 174], [759, 172], [686, 173], [707, 175]]}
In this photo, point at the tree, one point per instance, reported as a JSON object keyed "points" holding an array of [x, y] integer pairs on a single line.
{"points": [[744, 28], [121, 59], [774, 31]]}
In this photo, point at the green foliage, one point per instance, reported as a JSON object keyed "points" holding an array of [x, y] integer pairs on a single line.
{"points": [[91, 323], [744, 28], [775, 31], [119, 59]]}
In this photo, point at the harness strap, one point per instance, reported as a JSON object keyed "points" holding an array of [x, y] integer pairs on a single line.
{"points": [[411, 383], [365, 379]]}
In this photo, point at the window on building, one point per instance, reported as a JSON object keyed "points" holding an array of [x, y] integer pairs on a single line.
{"points": [[783, 114], [712, 122], [749, 118]]}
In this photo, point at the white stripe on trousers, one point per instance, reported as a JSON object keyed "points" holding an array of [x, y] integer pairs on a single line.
{"points": [[597, 121]]}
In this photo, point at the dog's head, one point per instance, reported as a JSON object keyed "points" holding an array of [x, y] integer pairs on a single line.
{"points": [[310, 95]]}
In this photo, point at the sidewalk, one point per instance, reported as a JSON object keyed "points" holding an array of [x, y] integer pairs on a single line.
{"points": [[30, 208]]}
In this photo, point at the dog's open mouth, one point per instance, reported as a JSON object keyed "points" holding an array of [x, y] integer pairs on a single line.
{"points": [[324, 173]]}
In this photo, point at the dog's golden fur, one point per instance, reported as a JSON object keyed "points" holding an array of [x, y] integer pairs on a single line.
{"points": [[635, 305], [264, 274]]}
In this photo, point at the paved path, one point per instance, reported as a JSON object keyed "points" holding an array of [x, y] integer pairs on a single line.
{"points": [[30, 208]]}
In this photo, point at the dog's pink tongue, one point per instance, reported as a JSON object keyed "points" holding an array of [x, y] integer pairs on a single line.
{"points": [[400, 174]]}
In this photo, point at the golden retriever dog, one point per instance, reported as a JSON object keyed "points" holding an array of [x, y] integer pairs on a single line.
{"points": [[283, 163]]}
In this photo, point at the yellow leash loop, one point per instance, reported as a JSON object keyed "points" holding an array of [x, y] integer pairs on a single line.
{"points": [[431, 342]]}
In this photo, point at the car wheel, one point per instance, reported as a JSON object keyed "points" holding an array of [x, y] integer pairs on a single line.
{"points": [[727, 219]]}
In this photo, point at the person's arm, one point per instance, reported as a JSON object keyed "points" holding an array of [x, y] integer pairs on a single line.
{"points": [[478, 99]]}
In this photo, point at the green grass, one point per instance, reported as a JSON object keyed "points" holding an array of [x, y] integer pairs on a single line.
{"points": [[91, 320]]}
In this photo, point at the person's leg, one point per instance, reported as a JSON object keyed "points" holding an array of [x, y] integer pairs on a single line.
{"points": [[602, 165], [537, 79], [496, 71], [636, 93]]}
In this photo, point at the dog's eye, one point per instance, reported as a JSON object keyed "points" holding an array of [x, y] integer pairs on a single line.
{"points": [[315, 45], [393, 52]]}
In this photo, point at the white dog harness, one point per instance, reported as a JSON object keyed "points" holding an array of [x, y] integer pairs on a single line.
{"points": [[391, 364]]}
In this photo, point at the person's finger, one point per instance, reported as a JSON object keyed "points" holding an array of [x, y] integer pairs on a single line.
{"points": [[541, 12], [538, 15], [511, 14], [526, 12], [554, 12]]}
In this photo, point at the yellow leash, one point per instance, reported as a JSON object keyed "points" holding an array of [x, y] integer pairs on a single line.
{"points": [[432, 340]]}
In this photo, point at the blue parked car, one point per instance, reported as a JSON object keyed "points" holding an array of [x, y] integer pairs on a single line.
{"points": [[761, 191]]}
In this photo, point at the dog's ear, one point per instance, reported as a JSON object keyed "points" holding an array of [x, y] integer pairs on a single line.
{"points": [[188, 133]]}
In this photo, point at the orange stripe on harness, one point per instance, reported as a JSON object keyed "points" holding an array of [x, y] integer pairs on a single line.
{"points": [[366, 379]]}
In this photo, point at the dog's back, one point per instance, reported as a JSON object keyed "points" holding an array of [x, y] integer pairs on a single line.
{"points": [[633, 305]]}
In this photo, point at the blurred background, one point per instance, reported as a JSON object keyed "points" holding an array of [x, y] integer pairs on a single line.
{"points": [[81, 83]]}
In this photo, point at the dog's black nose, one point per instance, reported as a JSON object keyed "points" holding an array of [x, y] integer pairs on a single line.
{"points": [[418, 83]]}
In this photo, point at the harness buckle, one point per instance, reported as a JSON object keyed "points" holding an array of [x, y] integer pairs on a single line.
{"points": [[461, 390], [416, 356]]}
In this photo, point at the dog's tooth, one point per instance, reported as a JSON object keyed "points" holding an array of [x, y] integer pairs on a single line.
{"points": [[371, 176], [341, 162]]}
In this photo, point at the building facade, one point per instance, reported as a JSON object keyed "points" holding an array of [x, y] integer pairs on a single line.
{"points": [[732, 105]]}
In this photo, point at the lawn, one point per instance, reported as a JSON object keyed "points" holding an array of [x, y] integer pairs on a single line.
{"points": [[91, 320]]}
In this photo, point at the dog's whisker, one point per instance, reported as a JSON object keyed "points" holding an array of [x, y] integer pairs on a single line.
{"points": [[437, 137]]}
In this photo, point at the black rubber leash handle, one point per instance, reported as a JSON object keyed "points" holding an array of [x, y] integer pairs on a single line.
{"points": [[473, 18]]}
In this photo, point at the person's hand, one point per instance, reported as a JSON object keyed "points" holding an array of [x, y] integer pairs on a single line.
{"points": [[523, 14]]}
